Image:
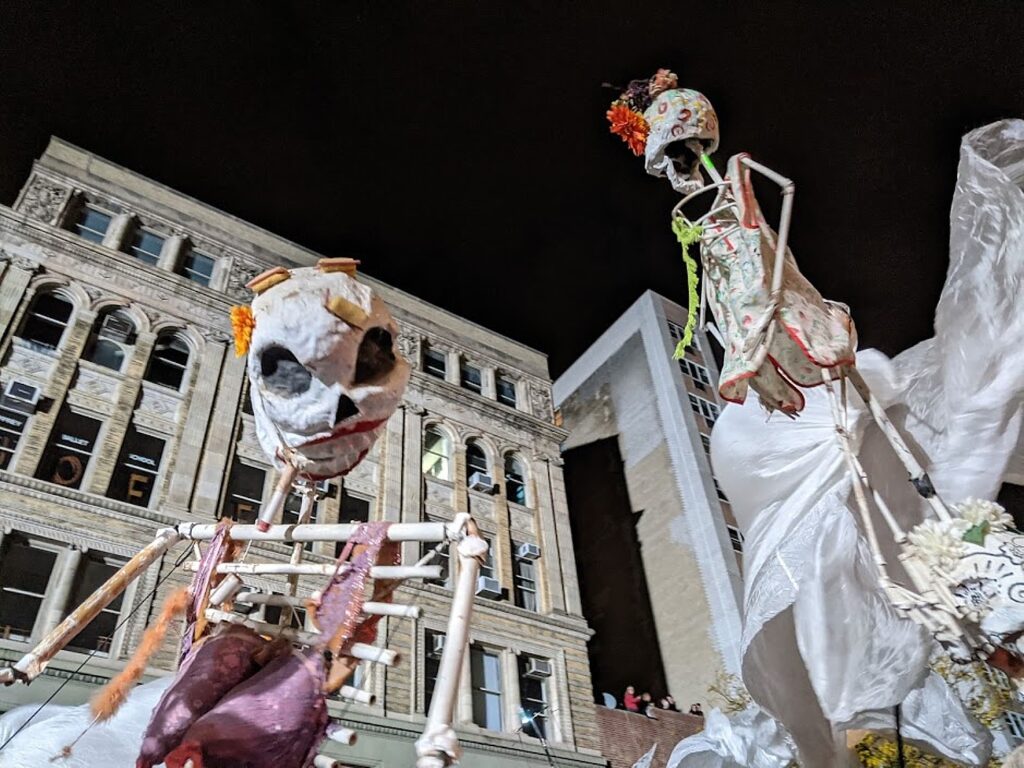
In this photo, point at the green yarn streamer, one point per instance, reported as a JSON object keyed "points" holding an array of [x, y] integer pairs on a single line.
{"points": [[687, 235]]}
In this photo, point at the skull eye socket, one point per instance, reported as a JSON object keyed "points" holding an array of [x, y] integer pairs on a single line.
{"points": [[282, 373], [376, 356]]}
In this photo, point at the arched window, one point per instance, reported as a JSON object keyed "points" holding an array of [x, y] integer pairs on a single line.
{"points": [[515, 480], [46, 320], [476, 461], [437, 453], [169, 362], [112, 339]]}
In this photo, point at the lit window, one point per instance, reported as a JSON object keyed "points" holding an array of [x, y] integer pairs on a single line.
{"points": [[434, 646], [485, 668], [112, 337], [46, 320], [708, 410], [435, 362], [137, 468], [24, 576], [525, 581], [476, 460], [437, 451], [146, 246], [69, 449], [197, 267], [515, 484], [736, 538], [245, 493], [506, 388], [93, 570], [470, 378], [12, 426], [533, 694], [92, 223], [169, 361]]}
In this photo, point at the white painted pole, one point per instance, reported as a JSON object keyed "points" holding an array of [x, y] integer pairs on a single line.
{"points": [[305, 513], [323, 761], [276, 503], [357, 695], [427, 532], [369, 608], [325, 569]]}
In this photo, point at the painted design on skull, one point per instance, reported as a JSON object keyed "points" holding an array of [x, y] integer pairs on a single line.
{"points": [[1014, 549], [975, 593]]}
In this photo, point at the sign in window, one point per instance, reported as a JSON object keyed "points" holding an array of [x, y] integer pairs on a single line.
{"points": [[69, 449], [137, 468]]}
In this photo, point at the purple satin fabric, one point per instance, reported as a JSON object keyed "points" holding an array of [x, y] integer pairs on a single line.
{"points": [[275, 719], [200, 587], [218, 664]]}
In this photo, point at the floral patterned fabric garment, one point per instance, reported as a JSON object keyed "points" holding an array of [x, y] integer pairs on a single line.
{"points": [[809, 334]]}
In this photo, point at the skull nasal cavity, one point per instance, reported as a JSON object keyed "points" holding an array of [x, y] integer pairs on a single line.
{"points": [[376, 356], [282, 373], [346, 408]]}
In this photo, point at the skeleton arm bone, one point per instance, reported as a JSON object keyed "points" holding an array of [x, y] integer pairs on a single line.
{"points": [[788, 190]]}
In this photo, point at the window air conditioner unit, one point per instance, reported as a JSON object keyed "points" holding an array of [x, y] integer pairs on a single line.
{"points": [[488, 587], [538, 668], [528, 551], [116, 328], [19, 396], [478, 481], [437, 646]]}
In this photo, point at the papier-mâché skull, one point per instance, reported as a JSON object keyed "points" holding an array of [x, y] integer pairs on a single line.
{"points": [[675, 117], [324, 372]]}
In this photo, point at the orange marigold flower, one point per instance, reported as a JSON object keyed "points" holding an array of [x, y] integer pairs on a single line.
{"points": [[630, 126], [242, 323]]}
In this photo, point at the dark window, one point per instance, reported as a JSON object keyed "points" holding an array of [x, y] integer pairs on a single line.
{"points": [[197, 267], [146, 246], [12, 426], [476, 460], [245, 493], [470, 378], [721, 493], [706, 442], [137, 468], [699, 374], [247, 399], [24, 576], [112, 338], [292, 509], [46, 320], [533, 697], [442, 558], [434, 642], [487, 567], [353, 510], [735, 538], [525, 578], [93, 571], [506, 390], [272, 615], [435, 363], [169, 361], [92, 223], [708, 410], [69, 449], [485, 669], [515, 484]]}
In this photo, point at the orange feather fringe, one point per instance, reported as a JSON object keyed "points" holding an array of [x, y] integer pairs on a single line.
{"points": [[105, 704]]}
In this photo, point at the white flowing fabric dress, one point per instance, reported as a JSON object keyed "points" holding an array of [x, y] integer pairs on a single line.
{"points": [[823, 649]]}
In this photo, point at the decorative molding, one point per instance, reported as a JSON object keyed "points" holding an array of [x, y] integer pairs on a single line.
{"points": [[241, 273], [409, 345], [44, 199], [540, 401]]}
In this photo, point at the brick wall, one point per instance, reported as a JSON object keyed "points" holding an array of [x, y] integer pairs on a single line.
{"points": [[626, 736]]}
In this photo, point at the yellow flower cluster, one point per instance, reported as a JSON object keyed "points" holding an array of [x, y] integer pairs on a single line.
{"points": [[874, 751], [242, 323]]}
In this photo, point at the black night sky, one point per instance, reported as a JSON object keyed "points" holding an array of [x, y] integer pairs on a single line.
{"points": [[460, 148]]}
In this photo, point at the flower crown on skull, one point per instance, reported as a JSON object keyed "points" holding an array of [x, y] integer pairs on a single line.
{"points": [[626, 114]]}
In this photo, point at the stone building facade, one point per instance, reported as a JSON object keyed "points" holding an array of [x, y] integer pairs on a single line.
{"points": [[125, 409], [638, 465]]}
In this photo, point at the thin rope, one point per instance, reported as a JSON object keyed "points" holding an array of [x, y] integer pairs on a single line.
{"points": [[181, 560]]}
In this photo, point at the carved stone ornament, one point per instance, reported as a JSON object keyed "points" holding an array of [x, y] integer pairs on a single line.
{"points": [[409, 345], [540, 402], [43, 200], [241, 273]]}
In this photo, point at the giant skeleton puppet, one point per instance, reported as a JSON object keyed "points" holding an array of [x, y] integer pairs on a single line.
{"points": [[837, 615], [324, 379]]}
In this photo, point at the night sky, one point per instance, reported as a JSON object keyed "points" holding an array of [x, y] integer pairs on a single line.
{"points": [[460, 149]]}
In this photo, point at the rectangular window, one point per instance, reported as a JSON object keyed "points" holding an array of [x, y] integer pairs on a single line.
{"points": [[436, 454], [1015, 727], [525, 582], [69, 449], [506, 388], [706, 442], [137, 468], [146, 246], [721, 493], [471, 378], [708, 410], [442, 558], [296, 616], [354, 509], [197, 267], [677, 331], [12, 426], [93, 224], [487, 569], [736, 538], [434, 645], [93, 570], [24, 576], [533, 695], [435, 363], [46, 320], [292, 509], [485, 671], [699, 374], [245, 493]]}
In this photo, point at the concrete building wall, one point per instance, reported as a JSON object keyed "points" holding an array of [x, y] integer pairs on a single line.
{"points": [[208, 442]]}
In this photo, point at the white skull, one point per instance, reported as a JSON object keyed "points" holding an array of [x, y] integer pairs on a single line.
{"points": [[676, 117], [324, 372], [988, 584]]}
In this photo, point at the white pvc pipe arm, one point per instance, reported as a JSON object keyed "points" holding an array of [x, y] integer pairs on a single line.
{"points": [[324, 569], [425, 532]]}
